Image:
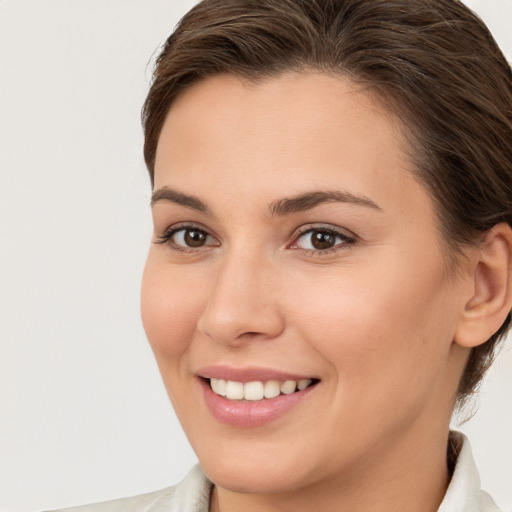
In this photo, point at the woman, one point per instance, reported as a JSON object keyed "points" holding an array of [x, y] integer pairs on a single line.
{"points": [[330, 273]]}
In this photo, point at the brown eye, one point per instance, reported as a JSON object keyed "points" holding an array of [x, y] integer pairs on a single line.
{"points": [[191, 238], [321, 240], [194, 237]]}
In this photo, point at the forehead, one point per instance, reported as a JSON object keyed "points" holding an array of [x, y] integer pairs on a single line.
{"points": [[292, 106], [305, 96], [286, 134]]}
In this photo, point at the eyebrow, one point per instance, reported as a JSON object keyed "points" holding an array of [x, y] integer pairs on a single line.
{"points": [[309, 200], [173, 196], [285, 206]]}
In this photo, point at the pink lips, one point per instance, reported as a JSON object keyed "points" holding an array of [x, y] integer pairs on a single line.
{"points": [[241, 413]]}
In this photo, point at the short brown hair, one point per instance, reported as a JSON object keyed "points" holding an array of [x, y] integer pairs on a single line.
{"points": [[434, 63]]}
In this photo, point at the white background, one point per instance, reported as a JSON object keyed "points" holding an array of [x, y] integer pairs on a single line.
{"points": [[83, 414]]}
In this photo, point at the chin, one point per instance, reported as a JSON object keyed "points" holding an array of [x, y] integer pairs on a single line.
{"points": [[260, 464], [250, 478]]}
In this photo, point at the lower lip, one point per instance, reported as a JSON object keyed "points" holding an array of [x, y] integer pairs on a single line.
{"points": [[246, 413]]}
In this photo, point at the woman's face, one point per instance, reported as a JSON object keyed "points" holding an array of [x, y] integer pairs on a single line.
{"points": [[292, 243]]}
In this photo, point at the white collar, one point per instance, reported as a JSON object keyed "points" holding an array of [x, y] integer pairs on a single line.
{"points": [[464, 493]]}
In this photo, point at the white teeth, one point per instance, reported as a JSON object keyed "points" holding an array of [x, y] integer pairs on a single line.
{"points": [[234, 390], [272, 389], [303, 384], [256, 390], [253, 390], [288, 387], [218, 386]]}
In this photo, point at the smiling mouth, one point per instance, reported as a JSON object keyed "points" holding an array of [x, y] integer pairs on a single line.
{"points": [[258, 390]]}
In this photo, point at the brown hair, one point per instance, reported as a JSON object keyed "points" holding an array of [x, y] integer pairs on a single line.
{"points": [[433, 62]]}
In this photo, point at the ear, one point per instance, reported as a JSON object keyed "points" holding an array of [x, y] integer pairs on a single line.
{"points": [[491, 300]]}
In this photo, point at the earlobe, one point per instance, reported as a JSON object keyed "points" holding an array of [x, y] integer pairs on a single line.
{"points": [[491, 301]]}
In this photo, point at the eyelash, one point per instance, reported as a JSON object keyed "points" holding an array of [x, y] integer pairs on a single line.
{"points": [[346, 239], [166, 238]]}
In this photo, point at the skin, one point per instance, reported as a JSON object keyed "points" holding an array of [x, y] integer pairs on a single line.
{"points": [[374, 317]]}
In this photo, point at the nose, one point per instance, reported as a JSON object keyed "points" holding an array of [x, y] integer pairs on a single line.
{"points": [[243, 302]]}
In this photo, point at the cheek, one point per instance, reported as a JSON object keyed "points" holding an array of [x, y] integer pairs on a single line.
{"points": [[169, 315], [376, 330]]}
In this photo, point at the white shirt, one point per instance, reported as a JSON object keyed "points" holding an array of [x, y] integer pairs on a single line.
{"points": [[192, 494]]}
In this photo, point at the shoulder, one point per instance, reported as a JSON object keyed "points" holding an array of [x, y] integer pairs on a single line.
{"points": [[192, 494], [139, 503]]}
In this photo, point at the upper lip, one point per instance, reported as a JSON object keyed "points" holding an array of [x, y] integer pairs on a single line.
{"points": [[248, 374]]}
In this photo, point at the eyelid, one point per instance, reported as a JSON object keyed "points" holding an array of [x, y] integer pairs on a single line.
{"points": [[346, 236], [166, 237]]}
